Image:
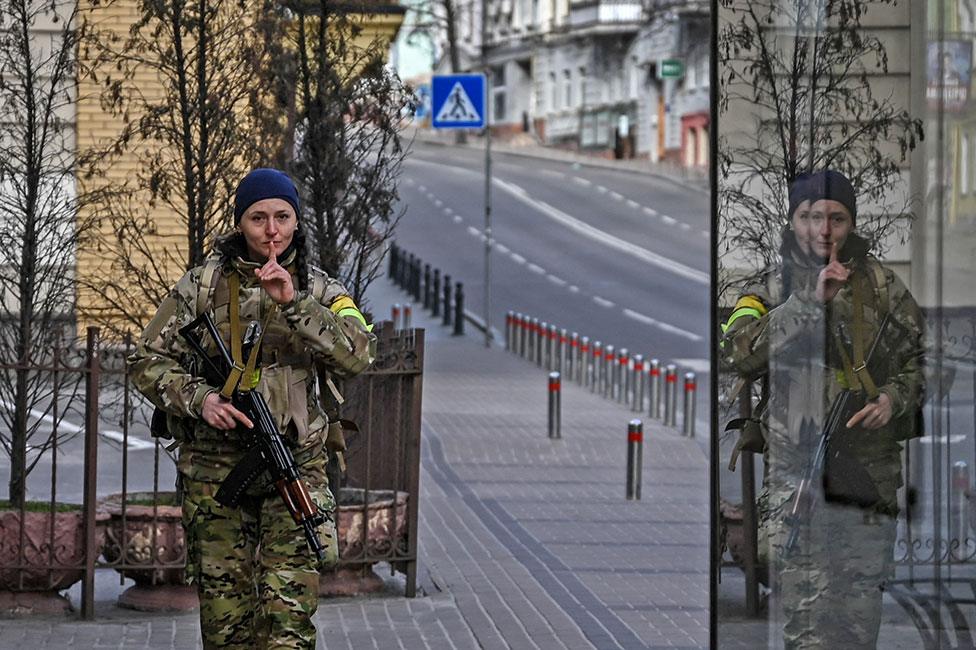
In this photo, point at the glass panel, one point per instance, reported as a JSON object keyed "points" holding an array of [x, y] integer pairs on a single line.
{"points": [[847, 233]]}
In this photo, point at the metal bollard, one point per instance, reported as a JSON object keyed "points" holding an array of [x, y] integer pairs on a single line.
{"points": [[670, 395], [689, 424], [395, 315], [394, 252], [573, 357], [582, 378], [553, 355], [654, 375], [637, 380], [609, 357], [426, 286], [523, 326], [561, 346], [407, 271], [622, 376], [555, 405], [417, 293], [458, 309], [407, 314], [635, 458], [533, 339], [509, 330], [435, 308], [596, 362], [960, 506], [540, 343], [447, 300]]}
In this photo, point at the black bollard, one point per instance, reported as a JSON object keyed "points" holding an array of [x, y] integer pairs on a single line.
{"points": [[435, 308], [393, 261], [427, 286], [555, 406], [458, 309], [447, 300]]}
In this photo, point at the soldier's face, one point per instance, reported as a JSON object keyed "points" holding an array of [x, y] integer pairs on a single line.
{"points": [[801, 226], [830, 224], [267, 222]]}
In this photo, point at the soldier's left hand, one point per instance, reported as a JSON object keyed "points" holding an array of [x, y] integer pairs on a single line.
{"points": [[276, 280], [874, 415]]}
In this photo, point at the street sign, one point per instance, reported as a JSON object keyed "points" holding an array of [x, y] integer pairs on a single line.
{"points": [[670, 69], [458, 101]]}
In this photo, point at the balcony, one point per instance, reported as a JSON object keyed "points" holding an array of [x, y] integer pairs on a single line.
{"points": [[596, 13]]}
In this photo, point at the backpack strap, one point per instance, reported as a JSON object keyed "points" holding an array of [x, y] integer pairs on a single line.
{"points": [[208, 283]]}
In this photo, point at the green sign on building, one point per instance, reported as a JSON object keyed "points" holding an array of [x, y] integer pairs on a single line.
{"points": [[670, 69]]}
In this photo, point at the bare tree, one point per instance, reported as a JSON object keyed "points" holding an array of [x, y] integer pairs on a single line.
{"points": [[806, 71], [193, 135], [348, 145], [43, 200]]}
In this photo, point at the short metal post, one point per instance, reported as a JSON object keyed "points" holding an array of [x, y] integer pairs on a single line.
{"points": [[621, 374], [582, 372], [417, 294], [563, 341], [407, 315], [523, 328], [595, 365], [670, 395], [447, 300], [395, 315], [393, 260], [635, 457], [533, 339], [435, 308], [637, 380], [654, 375], [426, 286], [509, 330], [552, 355], [960, 507], [407, 271], [541, 337], [609, 361], [689, 424], [555, 405], [573, 357], [458, 309]]}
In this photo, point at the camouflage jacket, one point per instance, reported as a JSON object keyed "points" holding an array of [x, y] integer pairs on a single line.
{"points": [[796, 343], [306, 332]]}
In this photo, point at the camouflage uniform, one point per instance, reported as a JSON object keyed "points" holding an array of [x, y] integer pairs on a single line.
{"points": [[829, 589], [256, 577]]}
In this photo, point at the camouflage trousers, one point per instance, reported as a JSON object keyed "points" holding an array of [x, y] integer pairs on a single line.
{"points": [[829, 590], [256, 577]]}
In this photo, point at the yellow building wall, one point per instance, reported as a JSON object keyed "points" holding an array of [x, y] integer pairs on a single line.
{"points": [[96, 127]]}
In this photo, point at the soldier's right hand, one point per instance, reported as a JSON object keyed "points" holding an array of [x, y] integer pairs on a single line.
{"points": [[221, 414], [832, 277]]}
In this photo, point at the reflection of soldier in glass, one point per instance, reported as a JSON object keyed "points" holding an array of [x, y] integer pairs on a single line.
{"points": [[829, 587]]}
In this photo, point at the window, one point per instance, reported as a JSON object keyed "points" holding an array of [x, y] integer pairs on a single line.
{"points": [[581, 80], [553, 92], [568, 88]]}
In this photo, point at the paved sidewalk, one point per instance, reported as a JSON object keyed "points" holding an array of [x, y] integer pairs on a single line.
{"points": [[524, 542]]}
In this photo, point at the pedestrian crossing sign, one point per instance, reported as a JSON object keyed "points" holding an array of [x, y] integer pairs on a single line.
{"points": [[458, 101]]}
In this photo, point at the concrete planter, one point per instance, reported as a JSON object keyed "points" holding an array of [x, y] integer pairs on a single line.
{"points": [[150, 536], [51, 550]]}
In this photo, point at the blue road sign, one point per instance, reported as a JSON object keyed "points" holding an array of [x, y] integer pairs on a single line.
{"points": [[458, 101]]}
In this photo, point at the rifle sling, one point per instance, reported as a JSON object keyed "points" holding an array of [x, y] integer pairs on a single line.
{"points": [[857, 374], [241, 372]]}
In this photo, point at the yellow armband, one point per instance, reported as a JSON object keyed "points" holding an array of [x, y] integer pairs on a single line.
{"points": [[344, 306]]}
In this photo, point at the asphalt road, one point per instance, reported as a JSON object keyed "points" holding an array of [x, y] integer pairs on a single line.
{"points": [[619, 256]]}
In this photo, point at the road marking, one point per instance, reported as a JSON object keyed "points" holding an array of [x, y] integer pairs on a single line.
{"points": [[603, 302], [473, 231], [601, 189], [518, 259], [695, 365], [422, 188], [617, 196], [458, 219], [448, 211], [706, 234], [552, 172], [607, 239], [668, 220], [633, 204], [502, 248], [554, 279], [647, 320], [118, 436], [535, 268], [651, 212], [410, 181], [438, 202], [573, 288], [581, 181], [685, 226]]}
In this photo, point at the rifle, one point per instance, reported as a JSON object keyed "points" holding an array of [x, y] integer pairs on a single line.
{"points": [[805, 499], [266, 449]]}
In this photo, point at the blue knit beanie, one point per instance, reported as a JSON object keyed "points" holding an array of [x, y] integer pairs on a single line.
{"points": [[833, 185], [798, 192], [264, 183]]}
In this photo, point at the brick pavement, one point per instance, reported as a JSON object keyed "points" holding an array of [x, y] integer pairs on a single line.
{"points": [[524, 542]]}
